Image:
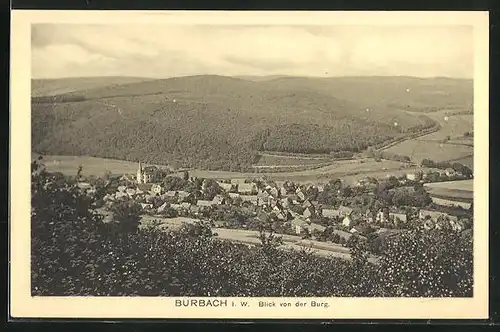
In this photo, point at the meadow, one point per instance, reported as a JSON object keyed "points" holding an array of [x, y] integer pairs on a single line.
{"points": [[68, 165], [460, 185], [348, 170], [433, 146], [461, 191]]}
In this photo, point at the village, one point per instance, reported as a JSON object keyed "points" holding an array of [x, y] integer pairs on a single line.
{"points": [[331, 212]]}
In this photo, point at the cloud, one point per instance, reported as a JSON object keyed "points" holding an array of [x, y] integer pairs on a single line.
{"points": [[161, 50]]}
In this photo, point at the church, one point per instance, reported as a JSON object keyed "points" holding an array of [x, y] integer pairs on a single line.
{"points": [[142, 175]]}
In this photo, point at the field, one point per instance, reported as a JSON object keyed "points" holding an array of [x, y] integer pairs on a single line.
{"points": [[433, 147], [460, 191], [420, 149], [68, 165], [466, 185], [348, 170]]}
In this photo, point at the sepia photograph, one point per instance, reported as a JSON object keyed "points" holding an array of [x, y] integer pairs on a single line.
{"points": [[206, 162]]}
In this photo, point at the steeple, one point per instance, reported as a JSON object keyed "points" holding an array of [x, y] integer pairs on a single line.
{"points": [[139, 173]]}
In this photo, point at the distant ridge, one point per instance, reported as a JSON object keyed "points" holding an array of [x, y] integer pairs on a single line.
{"points": [[54, 86]]}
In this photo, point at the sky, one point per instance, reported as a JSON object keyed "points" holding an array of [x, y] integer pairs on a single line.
{"points": [[161, 50]]}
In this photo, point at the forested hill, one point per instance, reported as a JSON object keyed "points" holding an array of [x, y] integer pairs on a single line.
{"points": [[212, 121]]}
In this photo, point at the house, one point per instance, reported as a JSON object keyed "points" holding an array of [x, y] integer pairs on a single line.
{"points": [[330, 213], [308, 212], [120, 195], [307, 203], [362, 182], [369, 215], [280, 215], [272, 201], [183, 195], [108, 198], [170, 193], [401, 217], [84, 185], [225, 186], [345, 211], [146, 206], [162, 208], [301, 196], [219, 199], [307, 224], [234, 195], [176, 207], [205, 203], [263, 198], [284, 202], [156, 189], [250, 198], [347, 221], [143, 187], [122, 189], [130, 192], [428, 224], [343, 234], [433, 215], [354, 230], [458, 225], [411, 176], [247, 188], [298, 229], [186, 205], [381, 216], [450, 172], [362, 229], [321, 188], [263, 194], [274, 192], [195, 209], [283, 191]]}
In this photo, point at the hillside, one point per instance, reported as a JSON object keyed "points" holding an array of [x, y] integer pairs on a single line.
{"points": [[208, 121], [50, 87], [382, 93]]}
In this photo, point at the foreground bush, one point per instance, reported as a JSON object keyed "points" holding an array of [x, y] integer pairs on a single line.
{"points": [[75, 253]]}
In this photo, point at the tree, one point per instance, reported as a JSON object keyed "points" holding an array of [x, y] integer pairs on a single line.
{"points": [[186, 175], [212, 189], [419, 263], [128, 214]]}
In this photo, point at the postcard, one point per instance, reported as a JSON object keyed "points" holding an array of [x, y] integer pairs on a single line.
{"points": [[249, 165]]}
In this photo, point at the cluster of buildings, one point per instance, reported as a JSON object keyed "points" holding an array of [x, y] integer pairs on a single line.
{"points": [[283, 203]]}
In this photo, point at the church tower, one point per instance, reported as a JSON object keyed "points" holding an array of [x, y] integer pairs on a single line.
{"points": [[139, 173]]}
